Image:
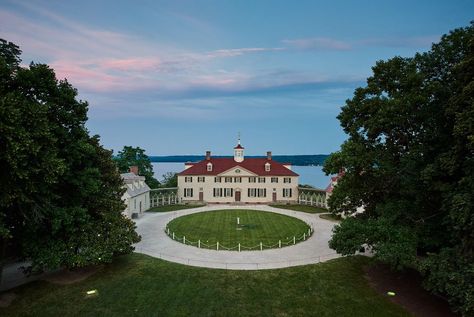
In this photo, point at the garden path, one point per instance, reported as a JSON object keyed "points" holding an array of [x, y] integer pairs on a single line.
{"points": [[156, 243]]}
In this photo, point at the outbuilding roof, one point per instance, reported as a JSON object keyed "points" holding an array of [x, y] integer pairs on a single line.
{"points": [[133, 180]]}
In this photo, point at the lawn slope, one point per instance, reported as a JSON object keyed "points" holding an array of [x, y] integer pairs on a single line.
{"points": [[139, 285]]}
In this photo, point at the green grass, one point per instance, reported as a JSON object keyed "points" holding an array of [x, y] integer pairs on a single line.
{"points": [[139, 285], [303, 208], [330, 217], [255, 227], [173, 207]]}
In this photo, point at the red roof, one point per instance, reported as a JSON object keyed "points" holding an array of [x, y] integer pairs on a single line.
{"points": [[329, 188], [334, 179], [239, 147], [254, 165]]}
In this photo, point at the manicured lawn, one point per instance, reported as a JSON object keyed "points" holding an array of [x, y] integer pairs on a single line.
{"points": [[255, 226], [330, 217], [303, 208], [172, 208], [139, 285]]}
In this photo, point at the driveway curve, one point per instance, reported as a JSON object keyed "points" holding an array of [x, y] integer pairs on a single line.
{"points": [[156, 243]]}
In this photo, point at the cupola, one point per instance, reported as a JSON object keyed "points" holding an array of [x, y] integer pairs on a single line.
{"points": [[239, 152]]}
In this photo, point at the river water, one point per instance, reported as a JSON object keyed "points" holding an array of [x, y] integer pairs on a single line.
{"points": [[311, 175]]}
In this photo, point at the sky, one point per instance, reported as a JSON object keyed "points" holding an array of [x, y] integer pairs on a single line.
{"points": [[182, 77]]}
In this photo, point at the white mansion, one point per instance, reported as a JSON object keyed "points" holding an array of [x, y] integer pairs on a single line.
{"points": [[238, 180]]}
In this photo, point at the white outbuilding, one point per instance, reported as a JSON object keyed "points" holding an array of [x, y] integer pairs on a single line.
{"points": [[137, 194]]}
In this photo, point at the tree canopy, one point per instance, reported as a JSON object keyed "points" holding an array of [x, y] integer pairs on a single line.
{"points": [[135, 156], [60, 203], [409, 161], [170, 179]]}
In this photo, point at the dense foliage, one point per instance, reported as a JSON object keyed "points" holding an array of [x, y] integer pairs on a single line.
{"points": [[60, 203], [135, 156], [409, 161]]}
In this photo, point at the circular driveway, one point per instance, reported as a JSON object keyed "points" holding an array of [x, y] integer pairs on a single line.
{"points": [[156, 243]]}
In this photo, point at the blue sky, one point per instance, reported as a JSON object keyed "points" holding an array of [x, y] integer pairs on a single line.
{"points": [[183, 77]]}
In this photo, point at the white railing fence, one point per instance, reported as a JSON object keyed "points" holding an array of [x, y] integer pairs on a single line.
{"points": [[164, 197], [239, 247]]}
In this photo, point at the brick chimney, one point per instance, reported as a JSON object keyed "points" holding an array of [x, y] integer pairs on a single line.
{"points": [[269, 155], [208, 155], [134, 170]]}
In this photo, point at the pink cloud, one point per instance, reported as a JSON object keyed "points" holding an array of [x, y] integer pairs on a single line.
{"points": [[130, 64]]}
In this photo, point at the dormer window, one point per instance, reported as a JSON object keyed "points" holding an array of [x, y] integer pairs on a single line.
{"points": [[267, 167], [209, 167]]}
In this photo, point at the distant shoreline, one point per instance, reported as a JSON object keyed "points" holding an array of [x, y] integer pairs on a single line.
{"points": [[297, 160]]}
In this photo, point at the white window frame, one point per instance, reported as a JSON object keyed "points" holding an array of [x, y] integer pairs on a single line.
{"points": [[287, 192], [217, 192], [188, 192], [228, 192]]}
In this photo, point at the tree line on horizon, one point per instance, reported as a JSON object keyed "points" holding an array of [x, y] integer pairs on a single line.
{"points": [[297, 160]]}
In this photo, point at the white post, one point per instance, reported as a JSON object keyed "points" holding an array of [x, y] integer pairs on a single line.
{"points": [[304, 236], [239, 247], [217, 246], [184, 239], [309, 232], [261, 246], [279, 243], [294, 240], [238, 220], [168, 230], [173, 235], [199, 244]]}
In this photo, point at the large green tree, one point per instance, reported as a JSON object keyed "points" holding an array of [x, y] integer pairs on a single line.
{"points": [[135, 156], [60, 203], [409, 161]]}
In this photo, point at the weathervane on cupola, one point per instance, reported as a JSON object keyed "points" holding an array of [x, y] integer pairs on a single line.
{"points": [[238, 151]]}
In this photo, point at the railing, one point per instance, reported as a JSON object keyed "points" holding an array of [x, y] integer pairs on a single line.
{"points": [[312, 197], [239, 247], [164, 196]]}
